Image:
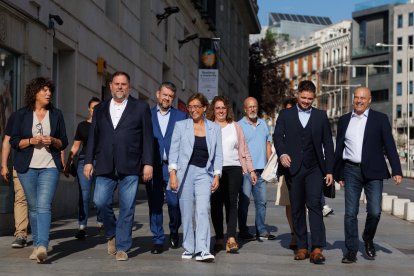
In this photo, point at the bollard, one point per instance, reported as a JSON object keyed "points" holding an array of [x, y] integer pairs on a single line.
{"points": [[384, 194], [387, 203], [398, 206], [409, 211]]}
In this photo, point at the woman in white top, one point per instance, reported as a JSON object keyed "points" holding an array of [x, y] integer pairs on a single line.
{"points": [[38, 136], [236, 162]]}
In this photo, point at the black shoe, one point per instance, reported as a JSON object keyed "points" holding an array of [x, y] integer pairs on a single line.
{"points": [[350, 257], [174, 241], [370, 250], [246, 237], [19, 242], [80, 235], [157, 249], [266, 236]]}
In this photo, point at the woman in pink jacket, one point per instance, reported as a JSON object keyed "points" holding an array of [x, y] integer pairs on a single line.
{"points": [[236, 162]]}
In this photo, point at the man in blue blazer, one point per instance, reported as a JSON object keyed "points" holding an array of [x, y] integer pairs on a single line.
{"points": [[362, 137], [303, 141], [164, 117], [120, 139]]}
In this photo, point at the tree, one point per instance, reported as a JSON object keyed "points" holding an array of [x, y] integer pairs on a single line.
{"points": [[265, 75]]}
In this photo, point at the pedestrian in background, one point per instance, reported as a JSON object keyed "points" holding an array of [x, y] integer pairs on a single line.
{"points": [[38, 137], [84, 184], [21, 220]]}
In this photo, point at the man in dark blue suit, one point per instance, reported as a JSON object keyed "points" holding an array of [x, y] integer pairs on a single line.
{"points": [[362, 137], [120, 139], [303, 142], [163, 117]]}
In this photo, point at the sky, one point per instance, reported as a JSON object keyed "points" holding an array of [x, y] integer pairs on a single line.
{"points": [[336, 10]]}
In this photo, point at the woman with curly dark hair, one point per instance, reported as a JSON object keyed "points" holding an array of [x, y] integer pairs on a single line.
{"points": [[38, 136], [236, 162]]}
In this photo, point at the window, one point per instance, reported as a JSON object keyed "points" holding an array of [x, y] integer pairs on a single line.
{"points": [[295, 67], [398, 109], [400, 21], [411, 110], [379, 95], [399, 66], [410, 19], [411, 65], [305, 65], [314, 62], [399, 88], [410, 40], [411, 87], [399, 42], [287, 70]]}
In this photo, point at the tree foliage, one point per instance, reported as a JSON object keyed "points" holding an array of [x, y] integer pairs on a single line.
{"points": [[265, 76]]}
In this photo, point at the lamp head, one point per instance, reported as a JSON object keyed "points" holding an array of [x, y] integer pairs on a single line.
{"points": [[57, 18]]}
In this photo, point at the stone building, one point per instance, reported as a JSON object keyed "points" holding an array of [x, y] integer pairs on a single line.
{"points": [[79, 43]]}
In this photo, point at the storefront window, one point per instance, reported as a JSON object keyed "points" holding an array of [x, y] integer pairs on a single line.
{"points": [[8, 90]]}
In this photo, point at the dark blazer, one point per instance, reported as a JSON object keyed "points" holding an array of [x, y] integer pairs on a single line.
{"points": [[162, 143], [287, 138], [22, 129], [127, 147], [377, 141]]}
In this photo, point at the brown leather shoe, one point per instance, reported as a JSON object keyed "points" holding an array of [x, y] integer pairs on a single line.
{"points": [[232, 247], [301, 254], [316, 256], [111, 246]]}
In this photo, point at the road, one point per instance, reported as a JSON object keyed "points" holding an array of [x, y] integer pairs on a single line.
{"points": [[404, 190]]}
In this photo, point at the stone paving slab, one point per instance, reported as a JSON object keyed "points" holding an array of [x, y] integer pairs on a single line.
{"points": [[68, 256]]}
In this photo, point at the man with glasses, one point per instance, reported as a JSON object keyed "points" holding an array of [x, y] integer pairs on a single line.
{"points": [[258, 140]]}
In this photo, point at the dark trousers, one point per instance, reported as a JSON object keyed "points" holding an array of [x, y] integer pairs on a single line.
{"points": [[227, 194], [354, 182], [305, 188], [155, 193]]}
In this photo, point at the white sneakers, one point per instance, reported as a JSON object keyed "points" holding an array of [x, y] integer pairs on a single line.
{"points": [[201, 256], [326, 211], [204, 257]]}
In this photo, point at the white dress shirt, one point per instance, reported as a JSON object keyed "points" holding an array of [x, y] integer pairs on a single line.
{"points": [[116, 110], [354, 137], [304, 115]]}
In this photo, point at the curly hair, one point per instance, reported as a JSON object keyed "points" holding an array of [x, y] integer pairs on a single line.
{"points": [[210, 111], [200, 97], [34, 87]]}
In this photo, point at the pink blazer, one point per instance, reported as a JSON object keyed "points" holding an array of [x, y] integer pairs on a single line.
{"points": [[244, 153]]}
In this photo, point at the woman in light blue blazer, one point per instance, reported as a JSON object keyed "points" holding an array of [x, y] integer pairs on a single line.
{"points": [[195, 164]]}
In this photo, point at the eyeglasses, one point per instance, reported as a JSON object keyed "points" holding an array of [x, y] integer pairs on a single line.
{"points": [[220, 108], [39, 129], [190, 107]]}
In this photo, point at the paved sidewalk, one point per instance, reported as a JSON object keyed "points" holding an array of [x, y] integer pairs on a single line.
{"points": [[68, 256]]}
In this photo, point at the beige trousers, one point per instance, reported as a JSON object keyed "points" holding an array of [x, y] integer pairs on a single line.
{"points": [[21, 220]]}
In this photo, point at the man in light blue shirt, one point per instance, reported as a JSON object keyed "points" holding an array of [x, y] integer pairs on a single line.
{"points": [[258, 140]]}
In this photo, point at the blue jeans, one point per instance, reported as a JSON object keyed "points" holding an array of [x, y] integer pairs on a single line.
{"points": [[85, 187], [121, 229], [354, 182], [39, 186], [259, 195]]}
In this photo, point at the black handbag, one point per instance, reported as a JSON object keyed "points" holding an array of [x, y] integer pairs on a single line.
{"points": [[73, 170], [329, 191]]}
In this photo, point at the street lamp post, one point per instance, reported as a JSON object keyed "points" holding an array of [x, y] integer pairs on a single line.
{"points": [[408, 94]]}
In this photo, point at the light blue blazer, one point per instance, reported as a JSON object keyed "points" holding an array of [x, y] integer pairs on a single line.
{"points": [[182, 145]]}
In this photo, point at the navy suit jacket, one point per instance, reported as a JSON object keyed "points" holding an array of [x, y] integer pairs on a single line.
{"points": [[125, 148], [161, 142], [22, 129], [377, 141], [287, 138]]}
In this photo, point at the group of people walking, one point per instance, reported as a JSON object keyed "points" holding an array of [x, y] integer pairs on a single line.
{"points": [[199, 162]]}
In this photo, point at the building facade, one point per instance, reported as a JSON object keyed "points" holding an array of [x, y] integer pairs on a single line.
{"points": [[80, 43]]}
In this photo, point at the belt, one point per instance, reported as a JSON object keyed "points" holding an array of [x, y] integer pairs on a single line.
{"points": [[165, 162], [352, 163]]}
